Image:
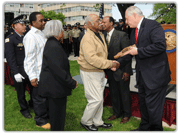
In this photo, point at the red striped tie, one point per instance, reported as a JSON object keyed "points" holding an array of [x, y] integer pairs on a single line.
{"points": [[136, 35]]}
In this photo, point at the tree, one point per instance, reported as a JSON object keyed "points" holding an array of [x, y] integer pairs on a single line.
{"points": [[165, 12], [53, 15]]}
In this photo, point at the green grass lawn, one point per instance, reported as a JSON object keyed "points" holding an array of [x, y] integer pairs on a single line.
{"points": [[76, 103]]}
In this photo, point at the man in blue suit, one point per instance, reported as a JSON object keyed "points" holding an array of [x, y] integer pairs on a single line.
{"points": [[152, 67]]}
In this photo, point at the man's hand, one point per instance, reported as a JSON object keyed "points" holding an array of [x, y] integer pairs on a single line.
{"points": [[34, 82], [125, 76], [76, 84], [131, 51], [115, 65]]}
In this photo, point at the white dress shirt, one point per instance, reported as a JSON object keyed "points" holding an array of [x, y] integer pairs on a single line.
{"points": [[110, 34], [139, 24], [34, 42]]}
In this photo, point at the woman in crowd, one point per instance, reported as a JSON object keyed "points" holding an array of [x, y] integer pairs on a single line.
{"points": [[56, 82]]}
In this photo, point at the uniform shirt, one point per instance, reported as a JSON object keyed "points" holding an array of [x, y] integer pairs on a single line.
{"points": [[34, 42], [14, 51], [65, 35], [69, 32], [75, 33]]}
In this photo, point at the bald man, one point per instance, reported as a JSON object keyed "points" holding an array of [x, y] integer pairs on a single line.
{"points": [[92, 62]]}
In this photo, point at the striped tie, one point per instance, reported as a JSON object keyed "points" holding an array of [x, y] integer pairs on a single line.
{"points": [[107, 38]]}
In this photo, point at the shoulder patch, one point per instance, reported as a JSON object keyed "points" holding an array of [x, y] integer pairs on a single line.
{"points": [[7, 40]]}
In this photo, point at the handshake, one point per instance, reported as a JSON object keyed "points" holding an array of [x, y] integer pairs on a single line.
{"points": [[127, 50], [115, 65]]}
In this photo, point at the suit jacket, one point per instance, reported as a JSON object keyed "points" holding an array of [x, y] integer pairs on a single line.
{"points": [[55, 77], [119, 40], [15, 53], [152, 59]]}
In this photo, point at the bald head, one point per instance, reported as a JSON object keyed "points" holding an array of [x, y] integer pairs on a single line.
{"points": [[133, 9], [133, 16]]}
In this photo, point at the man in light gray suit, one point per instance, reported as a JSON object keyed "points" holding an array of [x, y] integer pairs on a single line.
{"points": [[120, 79]]}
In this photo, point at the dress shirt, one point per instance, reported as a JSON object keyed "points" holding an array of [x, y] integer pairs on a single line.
{"points": [[34, 42], [139, 24], [110, 34]]}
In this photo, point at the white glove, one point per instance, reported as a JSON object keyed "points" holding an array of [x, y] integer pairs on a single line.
{"points": [[18, 77]]}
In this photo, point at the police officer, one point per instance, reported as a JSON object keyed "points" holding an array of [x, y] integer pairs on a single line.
{"points": [[66, 41], [15, 54], [75, 35], [78, 26], [70, 38]]}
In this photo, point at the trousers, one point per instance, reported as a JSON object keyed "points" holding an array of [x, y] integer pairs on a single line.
{"points": [[40, 108], [57, 113], [94, 89], [151, 106]]}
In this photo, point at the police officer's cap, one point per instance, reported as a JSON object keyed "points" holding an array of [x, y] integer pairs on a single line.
{"points": [[68, 25], [64, 27], [77, 23], [121, 20], [19, 19]]}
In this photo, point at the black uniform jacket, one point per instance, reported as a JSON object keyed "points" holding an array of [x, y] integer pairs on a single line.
{"points": [[15, 53], [151, 61], [55, 77]]}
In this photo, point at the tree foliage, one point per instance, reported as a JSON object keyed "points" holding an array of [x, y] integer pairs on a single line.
{"points": [[165, 12], [53, 15]]}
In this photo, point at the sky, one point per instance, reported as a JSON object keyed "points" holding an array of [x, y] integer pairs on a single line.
{"points": [[146, 8]]}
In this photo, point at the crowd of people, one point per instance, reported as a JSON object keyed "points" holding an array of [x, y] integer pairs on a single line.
{"points": [[39, 58]]}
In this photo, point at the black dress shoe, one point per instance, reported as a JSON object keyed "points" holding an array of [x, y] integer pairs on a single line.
{"points": [[27, 115], [90, 128], [105, 125]]}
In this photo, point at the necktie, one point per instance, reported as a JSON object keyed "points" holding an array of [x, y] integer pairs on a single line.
{"points": [[136, 35], [107, 38]]}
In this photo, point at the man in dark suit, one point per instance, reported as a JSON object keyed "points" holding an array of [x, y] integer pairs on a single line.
{"points": [[152, 67], [120, 79]]}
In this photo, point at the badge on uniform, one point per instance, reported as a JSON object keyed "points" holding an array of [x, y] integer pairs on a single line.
{"points": [[7, 40], [20, 45]]}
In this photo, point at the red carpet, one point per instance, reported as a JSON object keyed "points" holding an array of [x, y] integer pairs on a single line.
{"points": [[169, 114]]}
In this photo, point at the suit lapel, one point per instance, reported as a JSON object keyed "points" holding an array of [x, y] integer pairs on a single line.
{"points": [[112, 38], [141, 30]]}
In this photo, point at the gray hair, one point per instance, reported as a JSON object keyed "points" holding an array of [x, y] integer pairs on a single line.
{"points": [[88, 19], [133, 9], [53, 28]]}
